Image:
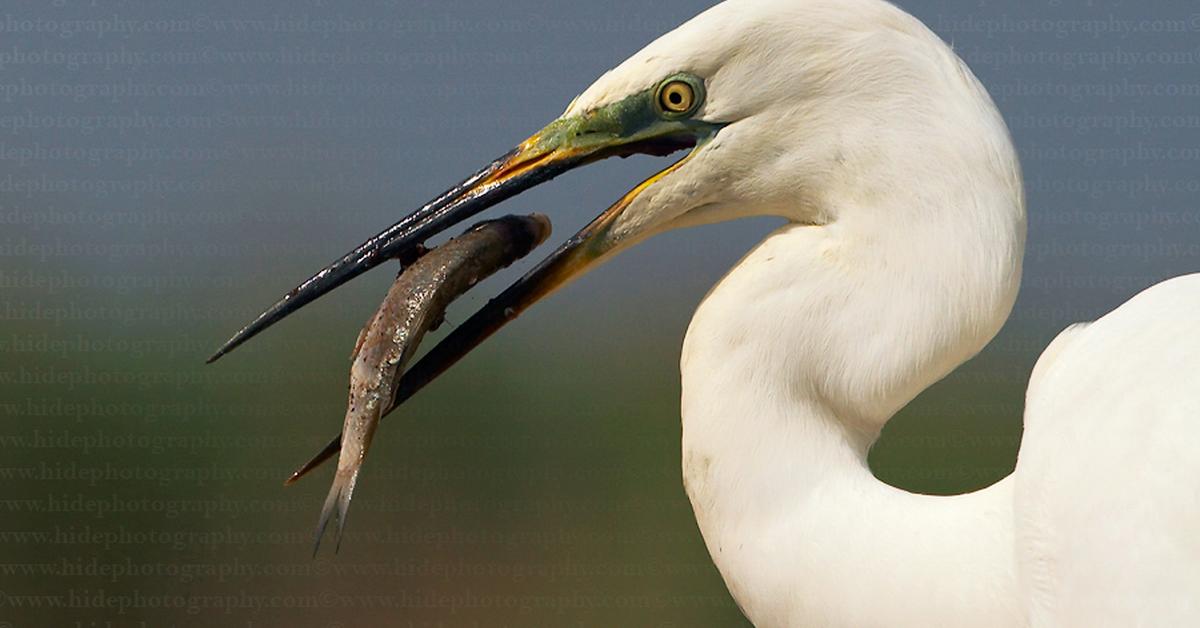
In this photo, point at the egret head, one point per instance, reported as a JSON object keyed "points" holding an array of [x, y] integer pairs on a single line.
{"points": [[792, 108], [807, 106]]}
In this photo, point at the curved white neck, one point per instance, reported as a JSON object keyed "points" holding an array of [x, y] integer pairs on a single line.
{"points": [[902, 262], [804, 535], [775, 445]]}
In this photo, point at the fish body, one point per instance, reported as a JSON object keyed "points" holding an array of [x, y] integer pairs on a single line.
{"points": [[415, 303]]}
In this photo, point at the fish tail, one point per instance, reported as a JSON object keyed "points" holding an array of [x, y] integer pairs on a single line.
{"points": [[336, 502]]}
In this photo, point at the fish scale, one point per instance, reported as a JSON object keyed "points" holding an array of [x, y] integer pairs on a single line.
{"points": [[415, 303]]}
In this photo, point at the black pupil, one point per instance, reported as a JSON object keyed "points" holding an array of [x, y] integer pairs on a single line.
{"points": [[675, 98]]}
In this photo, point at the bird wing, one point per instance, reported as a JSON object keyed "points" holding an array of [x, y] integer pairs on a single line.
{"points": [[1107, 484]]}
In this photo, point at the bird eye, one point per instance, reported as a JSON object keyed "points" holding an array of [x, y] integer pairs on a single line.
{"points": [[678, 97]]}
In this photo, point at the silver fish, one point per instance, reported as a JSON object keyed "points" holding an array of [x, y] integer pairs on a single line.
{"points": [[415, 303]]}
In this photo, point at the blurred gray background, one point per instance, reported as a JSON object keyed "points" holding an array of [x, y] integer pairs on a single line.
{"points": [[166, 171]]}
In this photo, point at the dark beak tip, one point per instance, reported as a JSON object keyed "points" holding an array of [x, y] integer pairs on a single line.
{"points": [[233, 343], [452, 206]]}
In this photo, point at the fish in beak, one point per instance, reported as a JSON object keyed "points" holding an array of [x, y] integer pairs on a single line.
{"points": [[624, 128], [649, 122], [415, 304]]}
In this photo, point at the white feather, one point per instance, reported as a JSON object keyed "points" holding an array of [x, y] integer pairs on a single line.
{"points": [[901, 260]]}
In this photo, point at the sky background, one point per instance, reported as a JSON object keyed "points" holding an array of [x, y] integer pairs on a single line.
{"points": [[166, 171]]}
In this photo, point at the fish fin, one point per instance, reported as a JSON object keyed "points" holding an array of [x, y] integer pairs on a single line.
{"points": [[330, 451], [410, 256], [337, 502], [362, 337], [438, 321], [343, 507]]}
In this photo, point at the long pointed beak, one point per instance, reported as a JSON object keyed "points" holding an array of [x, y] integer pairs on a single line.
{"points": [[567, 143], [516, 171], [585, 250], [625, 127]]}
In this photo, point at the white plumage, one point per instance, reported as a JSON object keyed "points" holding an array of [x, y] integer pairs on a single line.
{"points": [[901, 260]]}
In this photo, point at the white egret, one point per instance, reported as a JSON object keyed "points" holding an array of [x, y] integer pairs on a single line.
{"points": [[901, 259]]}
